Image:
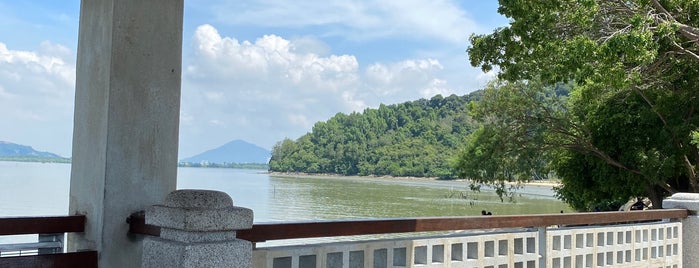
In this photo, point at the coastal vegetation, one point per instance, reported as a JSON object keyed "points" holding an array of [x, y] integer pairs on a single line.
{"points": [[418, 138], [35, 159]]}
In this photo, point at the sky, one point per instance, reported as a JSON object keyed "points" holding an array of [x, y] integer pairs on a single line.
{"points": [[255, 70]]}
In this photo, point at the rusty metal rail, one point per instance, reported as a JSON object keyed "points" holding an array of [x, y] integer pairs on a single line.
{"points": [[47, 226], [261, 232], [42, 225]]}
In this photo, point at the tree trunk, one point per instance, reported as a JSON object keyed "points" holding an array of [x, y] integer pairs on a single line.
{"points": [[655, 195]]}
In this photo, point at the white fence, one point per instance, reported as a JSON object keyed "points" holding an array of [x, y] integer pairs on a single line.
{"points": [[653, 245]]}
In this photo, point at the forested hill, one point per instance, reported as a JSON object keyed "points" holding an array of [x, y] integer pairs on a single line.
{"points": [[17, 152], [419, 138]]}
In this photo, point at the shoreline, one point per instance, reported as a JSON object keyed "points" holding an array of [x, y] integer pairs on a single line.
{"points": [[547, 184]]}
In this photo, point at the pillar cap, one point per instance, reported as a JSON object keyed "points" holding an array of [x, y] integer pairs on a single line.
{"points": [[199, 211], [688, 201], [198, 199]]}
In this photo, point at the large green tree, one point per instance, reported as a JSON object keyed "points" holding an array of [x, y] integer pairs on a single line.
{"points": [[626, 128], [511, 143]]}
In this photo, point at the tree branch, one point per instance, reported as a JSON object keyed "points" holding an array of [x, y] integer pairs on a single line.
{"points": [[667, 187], [691, 172], [650, 103], [689, 32], [684, 50]]}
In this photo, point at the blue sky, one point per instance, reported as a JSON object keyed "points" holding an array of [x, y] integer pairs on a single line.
{"points": [[257, 70]]}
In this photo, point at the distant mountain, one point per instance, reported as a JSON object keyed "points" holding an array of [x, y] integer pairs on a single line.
{"points": [[236, 151], [13, 150]]}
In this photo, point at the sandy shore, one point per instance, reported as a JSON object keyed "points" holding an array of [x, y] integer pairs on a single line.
{"points": [[544, 183]]}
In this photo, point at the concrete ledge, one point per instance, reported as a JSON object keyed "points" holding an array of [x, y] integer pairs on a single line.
{"points": [[198, 199], [200, 219], [689, 201]]}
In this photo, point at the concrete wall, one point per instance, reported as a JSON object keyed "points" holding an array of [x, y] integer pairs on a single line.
{"points": [[640, 245], [690, 225], [126, 125]]}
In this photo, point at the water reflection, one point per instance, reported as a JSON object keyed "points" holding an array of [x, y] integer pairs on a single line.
{"points": [[42, 189], [302, 198]]}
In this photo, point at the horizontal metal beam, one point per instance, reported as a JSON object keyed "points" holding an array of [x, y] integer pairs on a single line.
{"points": [[274, 231], [86, 259], [308, 229], [30, 246], [41, 225]]}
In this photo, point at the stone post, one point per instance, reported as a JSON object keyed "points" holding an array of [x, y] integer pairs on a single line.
{"points": [[690, 225], [126, 121], [197, 229]]}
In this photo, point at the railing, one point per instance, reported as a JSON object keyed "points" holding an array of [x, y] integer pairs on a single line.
{"points": [[617, 239], [49, 250]]}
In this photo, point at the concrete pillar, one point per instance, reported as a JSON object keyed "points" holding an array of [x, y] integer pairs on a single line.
{"points": [[690, 225], [125, 135], [197, 229]]}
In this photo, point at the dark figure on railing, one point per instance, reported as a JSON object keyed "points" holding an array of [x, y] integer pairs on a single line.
{"points": [[639, 205], [485, 213]]}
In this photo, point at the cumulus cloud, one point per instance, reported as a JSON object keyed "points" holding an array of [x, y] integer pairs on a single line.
{"points": [[37, 94], [402, 78], [275, 87]]}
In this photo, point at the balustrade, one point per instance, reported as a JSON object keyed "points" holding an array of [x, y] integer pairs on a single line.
{"points": [[49, 249], [652, 238]]}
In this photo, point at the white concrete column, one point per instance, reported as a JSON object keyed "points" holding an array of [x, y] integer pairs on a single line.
{"points": [[125, 134], [690, 225], [198, 229]]}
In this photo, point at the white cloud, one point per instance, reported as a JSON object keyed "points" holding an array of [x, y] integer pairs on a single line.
{"points": [[23, 72], [271, 88], [444, 20], [309, 44], [437, 86], [36, 95], [270, 57], [483, 78], [300, 120], [405, 80]]}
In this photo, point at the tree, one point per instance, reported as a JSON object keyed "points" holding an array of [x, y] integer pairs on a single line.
{"points": [[418, 138], [616, 42], [631, 112], [519, 123]]}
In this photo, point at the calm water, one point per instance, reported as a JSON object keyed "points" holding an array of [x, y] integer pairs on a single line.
{"points": [[42, 189]]}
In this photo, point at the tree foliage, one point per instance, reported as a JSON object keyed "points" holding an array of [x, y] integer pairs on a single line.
{"points": [[418, 138], [511, 143], [626, 128]]}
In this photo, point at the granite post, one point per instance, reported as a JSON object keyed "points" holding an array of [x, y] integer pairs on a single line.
{"points": [[126, 121], [690, 225], [198, 229]]}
